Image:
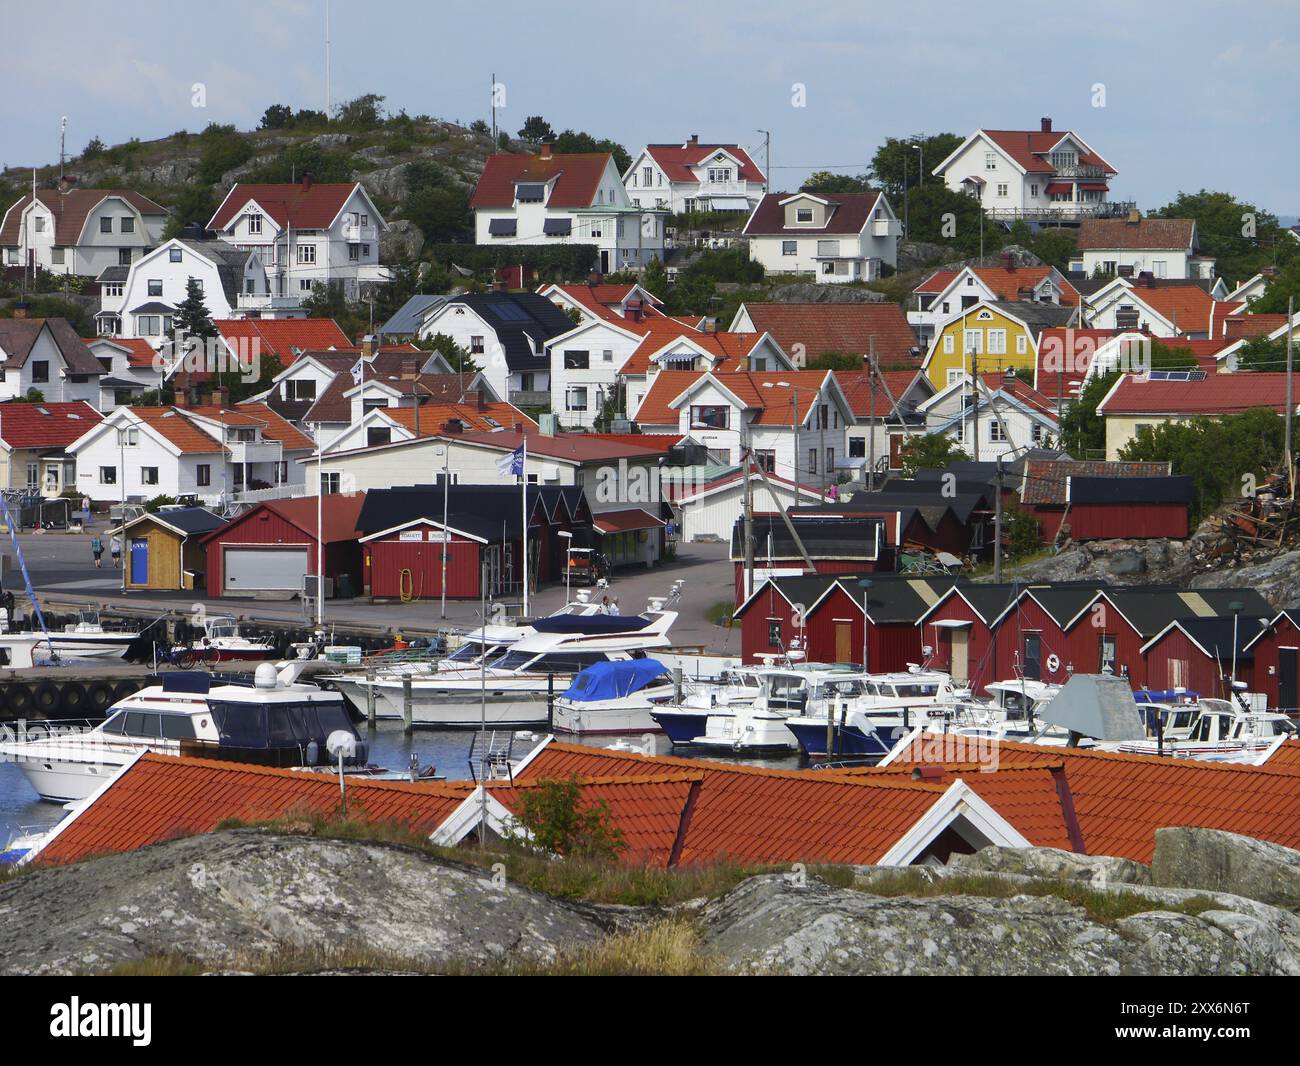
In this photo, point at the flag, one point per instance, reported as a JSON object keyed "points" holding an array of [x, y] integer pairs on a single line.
{"points": [[358, 371], [513, 463]]}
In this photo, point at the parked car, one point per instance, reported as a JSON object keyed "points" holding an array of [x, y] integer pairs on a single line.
{"points": [[587, 566]]}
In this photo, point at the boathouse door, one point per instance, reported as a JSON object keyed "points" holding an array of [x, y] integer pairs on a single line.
{"points": [[843, 641], [1286, 679], [139, 561]]}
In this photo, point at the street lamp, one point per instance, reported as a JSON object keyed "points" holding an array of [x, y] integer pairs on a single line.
{"points": [[568, 562], [865, 585], [920, 180], [1236, 607]]}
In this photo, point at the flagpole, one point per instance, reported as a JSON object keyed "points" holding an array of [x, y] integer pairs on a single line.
{"points": [[523, 511]]}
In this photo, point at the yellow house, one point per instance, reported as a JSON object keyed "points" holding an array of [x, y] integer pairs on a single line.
{"points": [[992, 336]]}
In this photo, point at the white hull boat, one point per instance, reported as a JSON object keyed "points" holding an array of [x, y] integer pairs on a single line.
{"points": [[615, 697]]}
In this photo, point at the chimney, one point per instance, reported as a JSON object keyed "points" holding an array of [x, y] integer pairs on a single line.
{"points": [[306, 180], [409, 372], [453, 425], [1134, 216], [369, 345], [220, 396], [182, 398], [1045, 124], [22, 310], [66, 183], [594, 279], [480, 399], [546, 150], [694, 142], [1008, 262]]}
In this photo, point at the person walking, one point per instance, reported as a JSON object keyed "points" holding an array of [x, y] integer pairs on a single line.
{"points": [[97, 550], [115, 550]]}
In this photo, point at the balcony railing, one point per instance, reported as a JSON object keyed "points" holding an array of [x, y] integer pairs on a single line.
{"points": [[530, 398], [1089, 171], [1063, 211], [255, 452]]}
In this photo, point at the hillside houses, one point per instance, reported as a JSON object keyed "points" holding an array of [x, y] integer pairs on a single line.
{"points": [[690, 176], [81, 232], [835, 237], [558, 198], [1131, 246]]}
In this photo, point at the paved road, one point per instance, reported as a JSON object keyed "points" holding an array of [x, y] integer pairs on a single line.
{"points": [[62, 568]]}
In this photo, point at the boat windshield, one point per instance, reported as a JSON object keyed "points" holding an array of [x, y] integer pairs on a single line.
{"points": [[467, 652], [150, 725], [275, 725], [841, 689], [530, 662]]}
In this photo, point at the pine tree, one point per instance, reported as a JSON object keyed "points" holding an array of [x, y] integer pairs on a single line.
{"points": [[192, 318]]}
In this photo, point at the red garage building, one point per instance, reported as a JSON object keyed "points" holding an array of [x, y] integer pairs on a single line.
{"points": [[1131, 508], [1198, 654], [1276, 651], [272, 548]]}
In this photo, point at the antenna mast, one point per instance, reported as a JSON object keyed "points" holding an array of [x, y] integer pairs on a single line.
{"points": [[329, 90], [493, 94], [63, 133]]}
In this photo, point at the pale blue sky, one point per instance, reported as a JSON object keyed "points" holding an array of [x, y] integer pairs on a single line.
{"points": [[1197, 94]]}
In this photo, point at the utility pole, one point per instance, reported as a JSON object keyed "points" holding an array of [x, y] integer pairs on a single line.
{"points": [[1290, 399], [767, 160], [905, 196], [329, 89], [494, 112], [997, 525], [975, 401], [871, 421], [747, 459]]}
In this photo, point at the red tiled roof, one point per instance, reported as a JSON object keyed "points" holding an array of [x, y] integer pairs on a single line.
{"points": [[434, 416], [856, 387], [623, 521], [1027, 148], [1162, 233], [1285, 757], [840, 328], [576, 177], [1237, 326], [339, 513], [675, 160], [1064, 356], [139, 352], [575, 447], [1217, 394], [70, 210], [161, 797], [750, 814], [1189, 307], [45, 425], [171, 423], [280, 336], [850, 213], [729, 348], [775, 405], [275, 427], [1121, 800], [659, 442], [287, 205]]}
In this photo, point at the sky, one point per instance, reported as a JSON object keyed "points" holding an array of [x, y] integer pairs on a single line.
{"points": [[1193, 94]]}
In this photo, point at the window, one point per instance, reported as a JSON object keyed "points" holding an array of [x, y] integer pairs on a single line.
{"points": [[830, 459], [113, 288], [378, 435], [947, 344], [789, 247], [990, 160], [304, 284], [203, 475], [766, 460], [803, 214], [1022, 345], [303, 389], [128, 437], [774, 632], [476, 345], [121, 397], [1033, 191], [39, 220], [1002, 189], [719, 174], [354, 252], [148, 475], [1159, 268], [40, 371], [146, 325], [108, 475], [329, 483], [995, 431], [365, 220], [647, 176], [607, 355], [173, 255], [718, 456], [124, 257], [56, 256], [857, 447], [711, 417], [306, 253], [974, 341], [812, 460], [254, 223], [128, 224], [1036, 433], [997, 341], [155, 287], [575, 398], [105, 225], [282, 472], [577, 360]]}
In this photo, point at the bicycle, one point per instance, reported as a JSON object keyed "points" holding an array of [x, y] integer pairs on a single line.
{"points": [[180, 657]]}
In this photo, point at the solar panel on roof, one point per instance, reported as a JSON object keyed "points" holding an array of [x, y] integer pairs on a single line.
{"points": [[1176, 375]]}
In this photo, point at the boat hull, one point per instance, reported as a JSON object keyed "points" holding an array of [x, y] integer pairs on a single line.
{"points": [[847, 739], [681, 726], [593, 719], [499, 710], [67, 780]]}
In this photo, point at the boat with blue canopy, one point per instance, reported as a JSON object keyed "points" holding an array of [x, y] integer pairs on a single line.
{"points": [[614, 697]]}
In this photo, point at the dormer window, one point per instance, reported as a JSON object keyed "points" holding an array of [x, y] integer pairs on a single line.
{"points": [[254, 223], [39, 221], [803, 214], [530, 192]]}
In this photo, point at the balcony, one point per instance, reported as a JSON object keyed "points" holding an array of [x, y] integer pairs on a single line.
{"points": [[1063, 211], [353, 231], [1082, 172], [255, 451], [530, 398], [886, 227], [264, 302]]}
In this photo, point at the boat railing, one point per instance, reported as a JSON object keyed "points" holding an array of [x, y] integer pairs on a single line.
{"points": [[46, 728]]}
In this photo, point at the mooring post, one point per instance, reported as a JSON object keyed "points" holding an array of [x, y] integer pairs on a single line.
{"points": [[407, 712]]}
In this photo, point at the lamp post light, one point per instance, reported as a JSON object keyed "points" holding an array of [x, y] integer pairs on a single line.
{"points": [[865, 585], [568, 562]]}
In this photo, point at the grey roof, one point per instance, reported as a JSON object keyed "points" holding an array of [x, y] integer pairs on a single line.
{"points": [[520, 320], [113, 273], [230, 262], [406, 320], [1037, 316], [153, 307], [121, 383], [187, 519]]}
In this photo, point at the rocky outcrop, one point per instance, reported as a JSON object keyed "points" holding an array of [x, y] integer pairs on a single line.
{"points": [[1226, 862], [773, 924], [812, 293], [915, 255], [243, 892], [1125, 562], [1054, 864], [402, 240]]}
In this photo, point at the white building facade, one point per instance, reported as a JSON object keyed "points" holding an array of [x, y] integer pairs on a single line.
{"points": [[834, 237]]}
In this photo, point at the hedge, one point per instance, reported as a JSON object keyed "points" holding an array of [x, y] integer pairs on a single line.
{"points": [[560, 261]]}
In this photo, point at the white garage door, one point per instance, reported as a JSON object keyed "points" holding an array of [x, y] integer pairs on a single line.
{"points": [[254, 569]]}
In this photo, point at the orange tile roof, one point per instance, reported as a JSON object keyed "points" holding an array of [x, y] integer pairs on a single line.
{"points": [[281, 336], [161, 797], [139, 352], [303, 206], [45, 425], [1121, 800], [1236, 326], [576, 177], [435, 416], [649, 811], [775, 405], [1006, 284], [841, 328], [276, 427], [660, 332], [171, 424], [752, 814], [856, 387]]}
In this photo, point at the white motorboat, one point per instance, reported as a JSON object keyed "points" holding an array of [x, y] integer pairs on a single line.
{"points": [[224, 641], [1218, 728], [275, 721], [614, 697], [86, 638]]}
